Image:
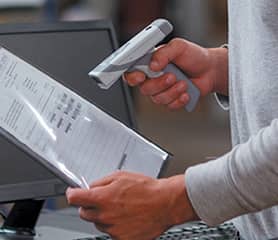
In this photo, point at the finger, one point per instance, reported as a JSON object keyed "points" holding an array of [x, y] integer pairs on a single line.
{"points": [[90, 215], [103, 182], [94, 215], [180, 102], [108, 229], [171, 94], [102, 227], [157, 85], [134, 78], [82, 197], [166, 54]]}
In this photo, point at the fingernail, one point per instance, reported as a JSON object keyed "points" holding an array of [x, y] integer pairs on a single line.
{"points": [[170, 80], [181, 88], [154, 65], [69, 190]]}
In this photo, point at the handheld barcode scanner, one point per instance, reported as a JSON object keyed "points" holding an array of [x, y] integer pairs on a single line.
{"points": [[136, 54]]}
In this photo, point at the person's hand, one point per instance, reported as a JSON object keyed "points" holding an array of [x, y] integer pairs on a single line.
{"points": [[132, 206], [206, 68]]}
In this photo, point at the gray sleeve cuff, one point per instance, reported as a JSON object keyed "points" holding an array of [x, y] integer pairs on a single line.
{"points": [[222, 100], [212, 192]]}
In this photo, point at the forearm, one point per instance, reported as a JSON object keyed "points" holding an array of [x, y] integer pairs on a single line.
{"points": [[219, 62], [228, 187]]}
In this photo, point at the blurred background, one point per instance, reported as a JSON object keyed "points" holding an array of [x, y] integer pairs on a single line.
{"points": [[192, 138]]}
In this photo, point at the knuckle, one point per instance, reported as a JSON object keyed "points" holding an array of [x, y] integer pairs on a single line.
{"points": [[97, 198], [73, 199], [84, 214], [169, 79], [134, 78], [92, 195], [118, 174], [161, 56], [143, 90], [171, 75], [155, 99], [176, 42], [101, 218], [164, 98], [93, 216], [124, 173], [183, 84], [156, 54], [100, 200], [181, 87], [163, 84], [184, 99]]}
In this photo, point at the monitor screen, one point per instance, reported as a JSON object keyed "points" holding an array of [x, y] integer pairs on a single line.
{"points": [[67, 52]]}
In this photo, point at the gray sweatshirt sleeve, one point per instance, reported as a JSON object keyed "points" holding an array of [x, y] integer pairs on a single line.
{"points": [[239, 182]]}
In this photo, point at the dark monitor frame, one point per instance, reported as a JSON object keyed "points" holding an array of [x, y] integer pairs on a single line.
{"points": [[18, 28], [14, 29], [30, 209]]}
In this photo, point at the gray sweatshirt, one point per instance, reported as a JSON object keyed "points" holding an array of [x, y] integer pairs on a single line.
{"points": [[242, 185]]}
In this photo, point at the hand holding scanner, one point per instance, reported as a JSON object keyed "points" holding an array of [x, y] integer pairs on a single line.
{"points": [[136, 54]]}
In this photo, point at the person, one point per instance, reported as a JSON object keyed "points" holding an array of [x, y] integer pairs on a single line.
{"points": [[240, 185]]}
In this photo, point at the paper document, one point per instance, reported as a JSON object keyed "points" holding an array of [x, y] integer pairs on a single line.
{"points": [[76, 140]]}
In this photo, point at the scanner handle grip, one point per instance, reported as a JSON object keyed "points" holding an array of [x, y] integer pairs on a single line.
{"points": [[143, 65]]}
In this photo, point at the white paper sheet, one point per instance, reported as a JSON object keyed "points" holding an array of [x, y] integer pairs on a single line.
{"points": [[80, 140]]}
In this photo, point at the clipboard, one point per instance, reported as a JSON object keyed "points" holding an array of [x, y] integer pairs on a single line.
{"points": [[70, 136]]}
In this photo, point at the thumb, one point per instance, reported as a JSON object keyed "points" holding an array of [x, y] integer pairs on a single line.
{"points": [[167, 53]]}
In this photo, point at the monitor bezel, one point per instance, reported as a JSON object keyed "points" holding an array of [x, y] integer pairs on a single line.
{"points": [[53, 187]]}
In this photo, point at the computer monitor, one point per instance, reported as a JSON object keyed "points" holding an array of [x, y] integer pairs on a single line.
{"points": [[67, 52]]}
